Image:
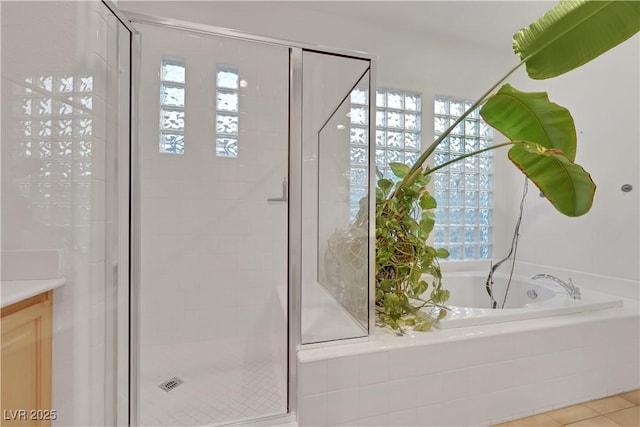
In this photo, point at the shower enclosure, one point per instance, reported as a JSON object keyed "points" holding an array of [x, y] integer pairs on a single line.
{"points": [[205, 195], [213, 267], [65, 192], [254, 166]]}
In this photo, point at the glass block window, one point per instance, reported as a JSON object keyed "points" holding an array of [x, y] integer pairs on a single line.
{"points": [[463, 190], [359, 148], [227, 110], [54, 125], [398, 135], [172, 99], [398, 129]]}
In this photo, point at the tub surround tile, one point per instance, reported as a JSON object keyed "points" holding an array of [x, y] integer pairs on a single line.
{"points": [[347, 424], [374, 368], [405, 418], [456, 384], [501, 422], [411, 361], [343, 373], [313, 410], [313, 378], [428, 388], [373, 400], [570, 390], [342, 406], [386, 340], [455, 413], [431, 415], [477, 409], [624, 378], [473, 375], [378, 421], [499, 376], [403, 395]]}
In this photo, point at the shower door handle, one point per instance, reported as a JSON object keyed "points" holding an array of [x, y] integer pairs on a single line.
{"points": [[284, 197]]}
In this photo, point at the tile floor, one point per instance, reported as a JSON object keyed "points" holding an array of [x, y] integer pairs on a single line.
{"points": [[622, 410], [224, 382]]}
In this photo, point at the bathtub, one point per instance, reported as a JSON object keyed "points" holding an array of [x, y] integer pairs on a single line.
{"points": [[482, 373], [470, 305]]}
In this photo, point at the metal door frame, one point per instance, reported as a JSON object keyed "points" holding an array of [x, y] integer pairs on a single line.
{"points": [[295, 192]]}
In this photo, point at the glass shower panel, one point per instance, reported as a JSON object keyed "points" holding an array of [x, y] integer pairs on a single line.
{"points": [[335, 131], [65, 128], [213, 285]]}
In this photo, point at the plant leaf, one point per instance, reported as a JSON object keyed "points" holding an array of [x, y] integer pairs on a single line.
{"points": [[385, 186], [565, 184], [427, 201], [523, 116], [427, 223], [442, 253], [573, 33], [424, 326], [399, 169]]}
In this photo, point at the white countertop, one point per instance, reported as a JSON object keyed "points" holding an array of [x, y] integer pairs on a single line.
{"points": [[14, 291]]}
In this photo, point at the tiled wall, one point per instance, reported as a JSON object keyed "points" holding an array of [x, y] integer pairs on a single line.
{"points": [[58, 139], [472, 376], [213, 248]]}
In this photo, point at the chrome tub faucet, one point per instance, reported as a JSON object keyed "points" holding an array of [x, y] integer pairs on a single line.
{"points": [[572, 290]]}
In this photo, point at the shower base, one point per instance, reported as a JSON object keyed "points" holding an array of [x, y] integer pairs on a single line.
{"points": [[223, 382]]}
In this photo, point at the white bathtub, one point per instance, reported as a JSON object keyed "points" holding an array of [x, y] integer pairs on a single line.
{"points": [[477, 375], [470, 304]]}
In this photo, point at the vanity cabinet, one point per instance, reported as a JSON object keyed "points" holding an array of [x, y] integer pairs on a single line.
{"points": [[26, 362]]}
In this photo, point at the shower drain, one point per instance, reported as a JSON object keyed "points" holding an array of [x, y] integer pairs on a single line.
{"points": [[171, 384]]}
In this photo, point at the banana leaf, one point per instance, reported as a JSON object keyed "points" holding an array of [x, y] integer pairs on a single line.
{"points": [[523, 116], [573, 33], [565, 184]]}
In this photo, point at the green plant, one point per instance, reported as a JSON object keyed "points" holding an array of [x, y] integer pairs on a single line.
{"points": [[543, 144], [403, 223]]}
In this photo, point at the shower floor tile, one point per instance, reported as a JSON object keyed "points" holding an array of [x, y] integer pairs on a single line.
{"points": [[219, 387]]}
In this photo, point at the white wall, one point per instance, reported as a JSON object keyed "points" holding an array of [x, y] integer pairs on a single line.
{"points": [[604, 100], [438, 65]]}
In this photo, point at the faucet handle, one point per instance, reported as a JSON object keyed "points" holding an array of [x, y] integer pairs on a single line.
{"points": [[575, 291]]}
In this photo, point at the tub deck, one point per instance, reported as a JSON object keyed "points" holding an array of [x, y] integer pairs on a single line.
{"points": [[472, 376]]}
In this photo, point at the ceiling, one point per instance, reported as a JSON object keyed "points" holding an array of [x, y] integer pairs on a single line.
{"points": [[484, 22]]}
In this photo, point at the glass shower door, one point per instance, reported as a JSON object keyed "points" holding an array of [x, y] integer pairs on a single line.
{"points": [[213, 184], [336, 239]]}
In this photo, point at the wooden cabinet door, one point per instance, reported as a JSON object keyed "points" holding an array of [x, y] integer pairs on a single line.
{"points": [[26, 362]]}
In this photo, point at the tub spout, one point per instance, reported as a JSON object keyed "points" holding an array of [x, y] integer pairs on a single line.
{"points": [[572, 290]]}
